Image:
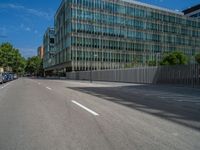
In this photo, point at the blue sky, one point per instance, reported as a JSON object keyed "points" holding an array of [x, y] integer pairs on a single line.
{"points": [[23, 22]]}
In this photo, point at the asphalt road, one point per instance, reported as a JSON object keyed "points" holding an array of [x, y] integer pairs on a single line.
{"points": [[76, 115]]}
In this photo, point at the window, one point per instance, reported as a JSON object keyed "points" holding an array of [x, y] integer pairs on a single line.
{"points": [[52, 40]]}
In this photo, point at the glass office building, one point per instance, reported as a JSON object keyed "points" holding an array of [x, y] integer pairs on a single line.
{"points": [[110, 34], [48, 44], [193, 11]]}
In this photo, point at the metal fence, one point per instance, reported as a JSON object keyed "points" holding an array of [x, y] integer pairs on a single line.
{"points": [[182, 74]]}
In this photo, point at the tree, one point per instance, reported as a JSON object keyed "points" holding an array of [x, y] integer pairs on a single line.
{"points": [[174, 58], [11, 57], [197, 58], [152, 63], [34, 66]]}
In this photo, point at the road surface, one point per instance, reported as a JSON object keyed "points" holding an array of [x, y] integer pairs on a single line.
{"points": [[77, 115]]}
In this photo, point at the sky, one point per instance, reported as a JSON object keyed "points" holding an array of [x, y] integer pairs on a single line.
{"points": [[23, 22]]}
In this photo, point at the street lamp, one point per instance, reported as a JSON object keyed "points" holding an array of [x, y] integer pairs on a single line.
{"points": [[95, 56], [157, 57], [92, 30]]}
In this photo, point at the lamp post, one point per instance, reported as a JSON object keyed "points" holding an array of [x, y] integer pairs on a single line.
{"points": [[95, 56], [91, 22], [157, 57]]}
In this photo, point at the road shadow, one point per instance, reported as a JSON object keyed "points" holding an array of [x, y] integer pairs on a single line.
{"points": [[143, 98]]}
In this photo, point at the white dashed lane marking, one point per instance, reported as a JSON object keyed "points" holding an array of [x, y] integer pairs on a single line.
{"points": [[85, 108], [49, 88], [5, 86]]}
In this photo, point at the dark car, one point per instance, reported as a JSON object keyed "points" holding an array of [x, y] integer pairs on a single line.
{"points": [[8, 76], [5, 77]]}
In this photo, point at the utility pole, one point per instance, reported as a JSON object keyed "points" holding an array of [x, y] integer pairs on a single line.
{"points": [[95, 56], [157, 57], [90, 67]]}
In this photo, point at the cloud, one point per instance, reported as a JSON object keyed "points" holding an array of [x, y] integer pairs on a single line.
{"points": [[36, 31], [3, 32], [22, 26], [3, 36], [27, 29], [31, 11], [28, 52]]}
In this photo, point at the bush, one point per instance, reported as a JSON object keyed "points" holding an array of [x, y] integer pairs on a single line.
{"points": [[174, 58], [197, 58]]}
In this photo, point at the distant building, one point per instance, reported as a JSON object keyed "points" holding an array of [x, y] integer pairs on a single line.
{"points": [[48, 43], [40, 52], [193, 11], [5, 69], [1, 69], [111, 34], [8, 69]]}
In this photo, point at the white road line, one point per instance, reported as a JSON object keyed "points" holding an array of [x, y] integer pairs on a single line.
{"points": [[5, 85], [87, 109], [49, 88]]}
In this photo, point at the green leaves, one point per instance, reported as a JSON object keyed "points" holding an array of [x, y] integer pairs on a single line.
{"points": [[152, 63], [197, 58], [34, 65], [174, 58], [11, 57]]}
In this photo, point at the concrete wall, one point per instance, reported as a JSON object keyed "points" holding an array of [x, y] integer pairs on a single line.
{"points": [[184, 74]]}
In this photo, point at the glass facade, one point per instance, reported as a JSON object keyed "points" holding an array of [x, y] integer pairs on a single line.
{"points": [[193, 11], [109, 34], [196, 15], [48, 43]]}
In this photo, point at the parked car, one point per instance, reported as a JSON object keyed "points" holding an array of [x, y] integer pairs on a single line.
{"points": [[1, 78], [10, 76], [5, 77], [15, 76]]}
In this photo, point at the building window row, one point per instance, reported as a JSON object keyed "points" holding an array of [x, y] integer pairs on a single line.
{"points": [[124, 46], [133, 35], [136, 11], [101, 56], [134, 23]]}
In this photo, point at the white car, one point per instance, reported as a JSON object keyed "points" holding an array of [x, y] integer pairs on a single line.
{"points": [[15, 76], [1, 78]]}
